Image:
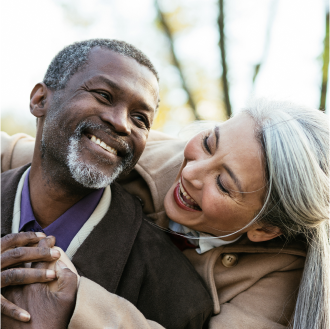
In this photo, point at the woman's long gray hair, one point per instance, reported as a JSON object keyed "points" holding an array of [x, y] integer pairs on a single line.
{"points": [[295, 142]]}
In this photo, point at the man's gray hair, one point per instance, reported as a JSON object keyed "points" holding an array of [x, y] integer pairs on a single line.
{"points": [[295, 143], [74, 57]]}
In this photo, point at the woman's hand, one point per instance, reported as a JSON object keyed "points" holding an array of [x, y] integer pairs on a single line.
{"points": [[17, 249]]}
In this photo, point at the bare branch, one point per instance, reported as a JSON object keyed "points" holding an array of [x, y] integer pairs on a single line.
{"points": [[222, 45], [325, 67], [175, 60]]}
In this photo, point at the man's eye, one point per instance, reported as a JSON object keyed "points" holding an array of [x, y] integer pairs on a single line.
{"points": [[142, 120], [104, 95]]}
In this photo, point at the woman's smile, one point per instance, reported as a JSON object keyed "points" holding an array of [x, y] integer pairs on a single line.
{"points": [[184, 199]]}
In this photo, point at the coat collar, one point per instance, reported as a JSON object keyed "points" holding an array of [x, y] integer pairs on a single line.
{"points": [[103, 255], [9, 183]]}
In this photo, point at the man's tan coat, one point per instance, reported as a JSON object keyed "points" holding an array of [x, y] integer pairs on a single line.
{"points": [[256, 289]]}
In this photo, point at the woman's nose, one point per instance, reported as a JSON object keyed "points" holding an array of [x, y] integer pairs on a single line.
{"points": [[118, 118], [193, 174]]}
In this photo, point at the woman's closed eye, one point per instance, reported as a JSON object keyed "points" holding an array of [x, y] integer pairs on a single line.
{"points": [[205, 143], [221, 186]]}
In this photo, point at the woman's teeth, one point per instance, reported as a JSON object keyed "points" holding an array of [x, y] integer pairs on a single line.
{"points": [[183, 194], [103, 145]]}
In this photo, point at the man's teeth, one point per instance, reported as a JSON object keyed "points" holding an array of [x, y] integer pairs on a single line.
{"points": [[103, 145]]}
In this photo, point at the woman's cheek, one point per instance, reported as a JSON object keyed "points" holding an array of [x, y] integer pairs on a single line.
{"points": [[218, 212]]}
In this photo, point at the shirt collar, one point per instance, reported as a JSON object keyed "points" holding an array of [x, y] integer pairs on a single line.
{"points": [[65, 227], [203, 245]]}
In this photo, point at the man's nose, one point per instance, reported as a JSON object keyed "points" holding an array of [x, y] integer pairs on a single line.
{"points": [[118, 118]]}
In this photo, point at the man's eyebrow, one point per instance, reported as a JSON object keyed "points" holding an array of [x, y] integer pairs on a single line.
{"points": [[109, 82], [114, 85]]}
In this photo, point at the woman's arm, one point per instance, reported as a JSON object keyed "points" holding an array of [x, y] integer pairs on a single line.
{"points": [[16, 150], [98, 308]]}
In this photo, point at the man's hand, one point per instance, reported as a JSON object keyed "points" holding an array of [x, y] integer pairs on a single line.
{"points": [[51, 310], [17, 249]]}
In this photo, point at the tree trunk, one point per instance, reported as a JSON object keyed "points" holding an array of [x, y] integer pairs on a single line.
{"points": [[222, 45], [175, 60], [325, 67]]}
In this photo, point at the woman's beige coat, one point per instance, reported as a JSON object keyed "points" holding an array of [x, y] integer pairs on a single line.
{"points": [[255, 290]]}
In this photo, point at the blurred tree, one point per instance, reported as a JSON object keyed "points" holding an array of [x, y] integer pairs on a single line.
{"points": [[222, 45], [167, 30], [325, 68]]}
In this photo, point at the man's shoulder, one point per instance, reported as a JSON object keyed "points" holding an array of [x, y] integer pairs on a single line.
{"points": [[10, 180], [172, 278]]}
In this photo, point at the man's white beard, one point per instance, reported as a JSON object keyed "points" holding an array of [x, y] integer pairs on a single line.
{"points": [[88, 175]]}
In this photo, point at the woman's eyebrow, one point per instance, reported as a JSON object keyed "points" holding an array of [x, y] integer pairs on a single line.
{"points": [[234, 178], [229, 171], [217, 136]]}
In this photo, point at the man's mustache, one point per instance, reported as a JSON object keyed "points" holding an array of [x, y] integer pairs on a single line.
{"points": [[84, 125]]}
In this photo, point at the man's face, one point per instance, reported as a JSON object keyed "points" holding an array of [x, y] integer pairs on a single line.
{"points": [[98, 126]]}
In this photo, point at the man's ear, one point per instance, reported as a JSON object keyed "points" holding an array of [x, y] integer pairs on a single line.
{"points": [[259, 233], [39, 99]]}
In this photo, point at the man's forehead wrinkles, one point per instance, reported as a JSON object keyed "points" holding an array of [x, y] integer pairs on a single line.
{"points": [[134, 70]]}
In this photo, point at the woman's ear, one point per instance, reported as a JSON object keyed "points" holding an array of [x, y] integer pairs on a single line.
{"points": [[259, 233], [39, 100]]}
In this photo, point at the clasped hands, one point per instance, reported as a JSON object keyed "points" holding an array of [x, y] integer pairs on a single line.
{"points": [[38, 289]]}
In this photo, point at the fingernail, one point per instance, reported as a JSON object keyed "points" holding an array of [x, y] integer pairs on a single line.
{"points": [[25, 316], [50, 274], [61, 264], [40, 234], [55, 253]]}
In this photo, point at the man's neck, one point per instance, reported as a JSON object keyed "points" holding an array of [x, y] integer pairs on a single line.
{"points": [[50, 197]]}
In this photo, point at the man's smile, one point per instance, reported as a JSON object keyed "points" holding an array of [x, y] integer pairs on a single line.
{"points": [[103, 145]]}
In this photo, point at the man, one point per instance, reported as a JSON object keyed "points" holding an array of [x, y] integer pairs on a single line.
{"points": [[94, 110]]}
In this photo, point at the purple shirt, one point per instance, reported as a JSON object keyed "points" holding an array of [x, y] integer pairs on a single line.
{"points": [[67, 225]]}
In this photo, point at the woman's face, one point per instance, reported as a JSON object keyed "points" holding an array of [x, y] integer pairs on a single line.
{"points": [[221, 183]]}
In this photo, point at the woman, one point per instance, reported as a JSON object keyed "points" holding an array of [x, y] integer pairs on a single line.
{"points": [[254, 193]]}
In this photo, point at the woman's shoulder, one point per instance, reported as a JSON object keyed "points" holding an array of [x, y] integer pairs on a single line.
{"points": [[16, 150], [248, 274]]}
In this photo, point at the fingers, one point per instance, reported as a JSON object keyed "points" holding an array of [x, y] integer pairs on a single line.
{"points": [[15, 240], [67, 280], [16, 276], [13, 311], [28, 254], [48, 242]]}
